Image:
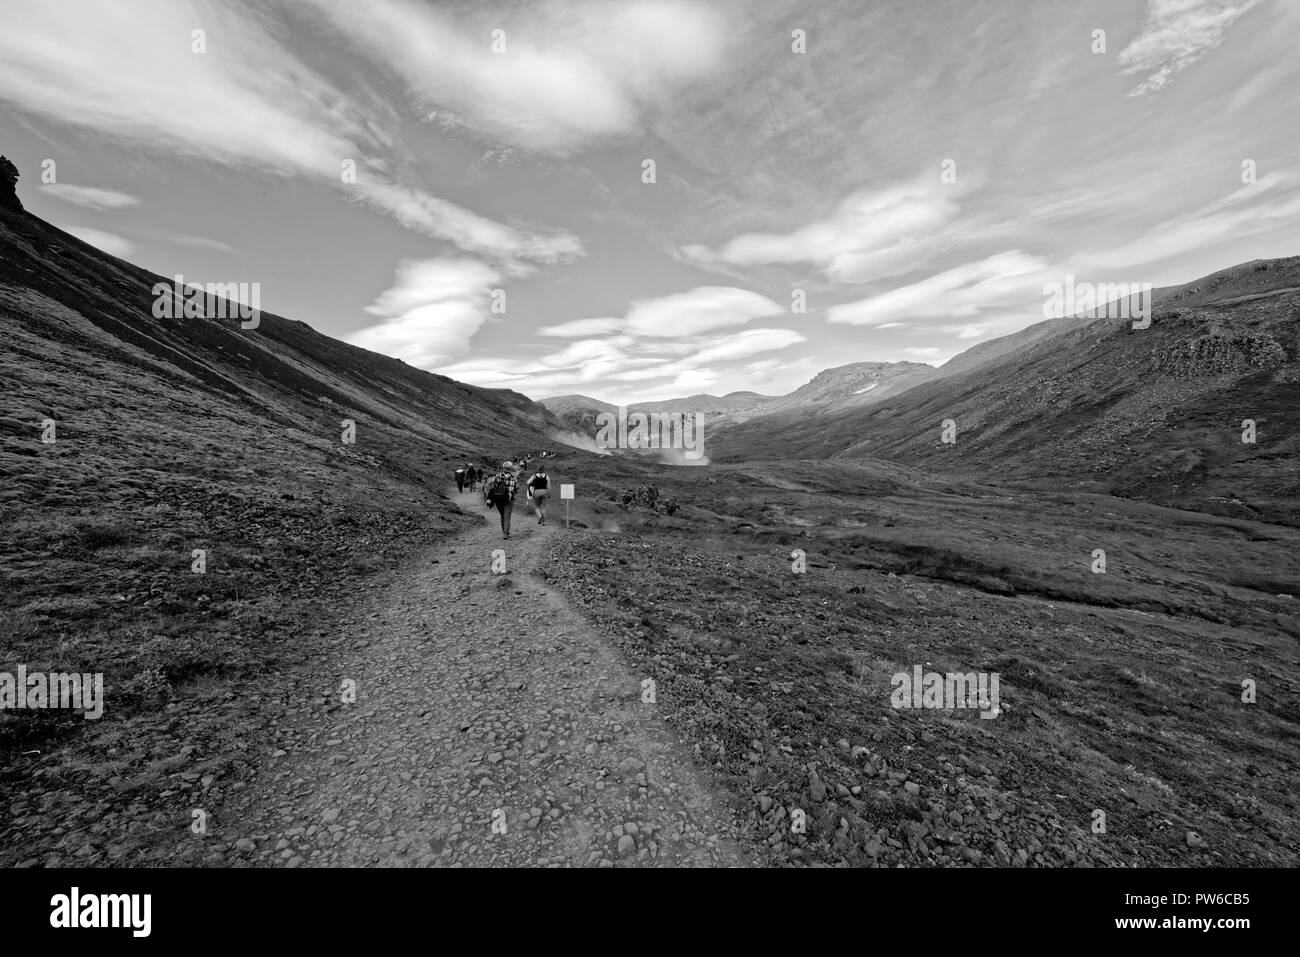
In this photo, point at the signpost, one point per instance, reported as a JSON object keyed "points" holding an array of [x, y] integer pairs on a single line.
{"points": [[566, 493]]}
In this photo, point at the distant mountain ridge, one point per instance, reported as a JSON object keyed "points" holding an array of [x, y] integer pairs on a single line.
{"points": [[858, 383], [582, 411], [855, 384]]}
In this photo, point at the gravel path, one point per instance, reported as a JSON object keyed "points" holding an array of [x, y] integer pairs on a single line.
{"points": [[492, 727]]}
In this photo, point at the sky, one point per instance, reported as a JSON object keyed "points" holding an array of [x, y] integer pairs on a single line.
{"points": [[644, 199]]}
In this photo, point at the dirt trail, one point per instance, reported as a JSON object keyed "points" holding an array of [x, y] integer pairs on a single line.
{"points": [[492, 727]]}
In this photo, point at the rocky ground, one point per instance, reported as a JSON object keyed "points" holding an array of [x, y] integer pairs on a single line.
{"points": [[1123, 738], [425, 710], [492, 727], [453, 716]]}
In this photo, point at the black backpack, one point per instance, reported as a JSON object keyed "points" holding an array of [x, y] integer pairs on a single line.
{"points": [[500, 490], [539, 480]]}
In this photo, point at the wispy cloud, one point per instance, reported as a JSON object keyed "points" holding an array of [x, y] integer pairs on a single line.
{"points": [[1175, 34], [661, 344], [110, 243], [91, 197], [699, 310], [557, 76], [959, 292], [872, 234], [1271, 204], [431, 312], [580, 327], [199, 242], [130, 71], [514, 250]]}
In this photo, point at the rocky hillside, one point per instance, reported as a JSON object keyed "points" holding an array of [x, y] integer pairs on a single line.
{"points": [[1154, 413], [179, 493], [579, 411], [856, 384]]}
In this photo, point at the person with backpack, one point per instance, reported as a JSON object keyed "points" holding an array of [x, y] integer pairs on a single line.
{"points": [[460, 479], [471, 477], [538, 489], [499, 493]]}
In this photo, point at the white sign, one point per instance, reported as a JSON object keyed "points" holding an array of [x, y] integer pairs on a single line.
{"points": [[566, 491]]}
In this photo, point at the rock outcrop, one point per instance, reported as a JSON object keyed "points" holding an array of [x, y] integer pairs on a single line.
{"points": [[1216, 354], [9, 185]]}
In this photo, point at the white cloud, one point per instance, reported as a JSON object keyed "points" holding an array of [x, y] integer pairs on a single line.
{"points": [[441, 219], [665, 344], [581, 327], [959, 292], [569, 74], [1177, 33], [699, 310], [431, 312], [199, 242], [775, 376], [91, 197], [746, 343], [135, 77], [969, 330], [1243, 213], [110, 243], [762, 367], [872, 234]]}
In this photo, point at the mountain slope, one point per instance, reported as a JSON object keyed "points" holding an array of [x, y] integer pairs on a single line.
{"points": [[858, 383], [578, 411], [582, 411], [1199, 292], [710, 405], [847, 386], [179, 493], [1154, 413]]}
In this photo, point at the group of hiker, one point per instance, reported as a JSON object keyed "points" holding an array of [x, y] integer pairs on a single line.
{"points": [[501, 487], [468, 476]]}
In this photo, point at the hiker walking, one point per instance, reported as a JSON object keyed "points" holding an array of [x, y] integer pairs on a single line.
{"points": [[538, 489], [499, 493], [460, 479], [471, 476]]}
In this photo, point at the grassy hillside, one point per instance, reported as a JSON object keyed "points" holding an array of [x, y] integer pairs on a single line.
{"points": [[1154, 413], [1121, 690], [172, 437]]}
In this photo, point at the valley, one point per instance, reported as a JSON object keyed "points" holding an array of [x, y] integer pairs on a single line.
{"points": [[1099, 538]]}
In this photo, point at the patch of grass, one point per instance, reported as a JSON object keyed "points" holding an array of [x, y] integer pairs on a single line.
{"points": [[97, 533]]}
